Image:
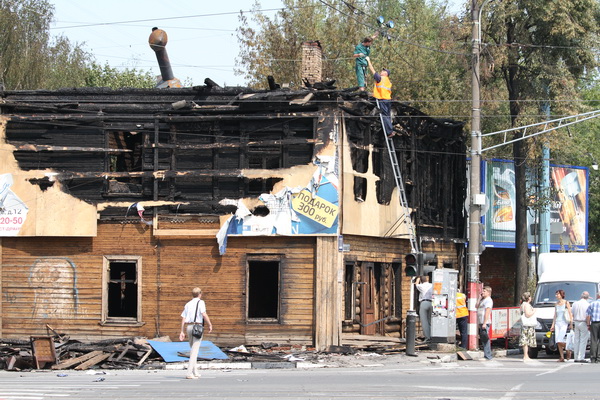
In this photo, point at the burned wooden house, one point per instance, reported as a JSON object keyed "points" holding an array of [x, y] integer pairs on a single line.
{"points": [[281, 204]]}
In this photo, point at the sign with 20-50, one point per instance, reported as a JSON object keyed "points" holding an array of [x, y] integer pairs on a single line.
{"points": [[315, 208]]}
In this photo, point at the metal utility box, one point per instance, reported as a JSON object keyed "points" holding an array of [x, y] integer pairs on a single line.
{"points": [[443, 316]]}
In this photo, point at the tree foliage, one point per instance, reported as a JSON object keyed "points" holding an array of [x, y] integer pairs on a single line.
{"points": [[106, 76], [582, 147], [539, 50], [423, 39]]}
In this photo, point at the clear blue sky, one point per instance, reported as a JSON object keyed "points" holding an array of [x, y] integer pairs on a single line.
{"points": [[202, 38]]}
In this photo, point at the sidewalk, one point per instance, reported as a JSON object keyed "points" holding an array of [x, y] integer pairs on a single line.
{"points": [[334, 360]]}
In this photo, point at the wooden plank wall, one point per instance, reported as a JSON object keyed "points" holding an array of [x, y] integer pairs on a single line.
{"points": [[58, 281], [328, 306]]}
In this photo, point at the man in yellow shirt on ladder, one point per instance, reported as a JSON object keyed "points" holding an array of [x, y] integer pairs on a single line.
{"points": [[383, 96]]}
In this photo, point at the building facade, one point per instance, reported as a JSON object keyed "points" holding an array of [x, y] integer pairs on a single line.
{"points": [[281, 205]]}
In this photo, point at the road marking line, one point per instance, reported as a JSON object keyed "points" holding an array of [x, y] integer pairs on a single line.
{"points": [[512, 392], [553, 370], [451, 388], [32, 393], [21, 398]]}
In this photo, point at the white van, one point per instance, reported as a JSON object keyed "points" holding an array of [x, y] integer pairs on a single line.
{"points": [[572, 272]]}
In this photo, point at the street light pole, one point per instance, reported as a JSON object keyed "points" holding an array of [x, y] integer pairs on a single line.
{"points": [[476, 197]]}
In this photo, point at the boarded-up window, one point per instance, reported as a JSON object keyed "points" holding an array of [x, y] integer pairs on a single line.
{"points": [[263, 289], [121, 298]]}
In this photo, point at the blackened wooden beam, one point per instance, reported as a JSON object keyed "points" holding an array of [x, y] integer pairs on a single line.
{"points": [[19, 146], [237, 144], [169, 118], [158, 174]]}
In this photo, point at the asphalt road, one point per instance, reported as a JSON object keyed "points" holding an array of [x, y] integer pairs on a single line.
{"points": [[506, 378]]}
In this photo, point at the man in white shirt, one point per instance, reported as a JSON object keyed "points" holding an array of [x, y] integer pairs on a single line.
{"points": [[425, 307], [581, 333], [484, 318], [194, 313]]}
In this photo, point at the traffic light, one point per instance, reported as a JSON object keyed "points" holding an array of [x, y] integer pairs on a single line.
{"points": [[427, 263], [412, 267], [419, 263]]}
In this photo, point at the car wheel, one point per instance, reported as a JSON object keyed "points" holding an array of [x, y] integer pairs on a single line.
{"points": [[551, 351]]}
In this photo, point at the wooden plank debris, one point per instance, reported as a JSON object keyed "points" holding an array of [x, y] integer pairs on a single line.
{"points": [[76, 360], [145, 357], [111, 353], [93, 361], [125, 350]]}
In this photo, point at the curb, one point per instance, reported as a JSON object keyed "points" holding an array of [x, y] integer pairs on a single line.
{"points": [[432, 358]]}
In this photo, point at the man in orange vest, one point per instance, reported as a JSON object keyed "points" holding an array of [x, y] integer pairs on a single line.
{"points": [[462, 318], [383, 96]]}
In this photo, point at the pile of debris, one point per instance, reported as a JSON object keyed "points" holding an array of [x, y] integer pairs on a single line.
{"points": [[273, 352], [60, 352]]}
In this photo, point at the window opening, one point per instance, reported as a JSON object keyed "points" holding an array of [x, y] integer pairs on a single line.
{"points": [[396, 290], [263, 289], [349, 292], [129, 161], [122, 290]]}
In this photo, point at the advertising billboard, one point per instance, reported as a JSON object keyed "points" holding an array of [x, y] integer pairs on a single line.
{"points": [[568, 206]]}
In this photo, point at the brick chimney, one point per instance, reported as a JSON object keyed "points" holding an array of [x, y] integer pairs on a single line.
{"points": [[312, 61]]}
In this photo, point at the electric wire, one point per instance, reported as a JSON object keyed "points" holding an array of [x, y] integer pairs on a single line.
{"points": [[394, 36], [173, 18]]}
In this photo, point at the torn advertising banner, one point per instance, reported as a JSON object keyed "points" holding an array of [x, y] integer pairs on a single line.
{"points": [[302, 210], [13, 210], [315, 208]]}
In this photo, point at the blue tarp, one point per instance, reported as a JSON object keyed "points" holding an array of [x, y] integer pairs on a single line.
{"points": [[168, 350]]}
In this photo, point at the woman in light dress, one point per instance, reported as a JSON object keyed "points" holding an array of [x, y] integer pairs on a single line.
{"points": [[563, 317], [528, 323]]}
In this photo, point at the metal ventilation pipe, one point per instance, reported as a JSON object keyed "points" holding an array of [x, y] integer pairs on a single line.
{"points": [[158, 41]]}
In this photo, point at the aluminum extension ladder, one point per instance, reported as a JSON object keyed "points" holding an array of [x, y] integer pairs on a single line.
{"points": [[414, 244]]}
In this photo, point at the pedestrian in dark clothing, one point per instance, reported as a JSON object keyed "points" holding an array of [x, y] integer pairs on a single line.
{"points": [[593, 323]]}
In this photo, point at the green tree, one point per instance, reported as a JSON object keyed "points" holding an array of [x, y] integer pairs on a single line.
{"points": [[582, 147], [107, 76], [274, 47], [540, 50], [424, 38], [29, 57]]}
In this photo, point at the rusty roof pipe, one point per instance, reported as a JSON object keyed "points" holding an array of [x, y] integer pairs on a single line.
{"points": [[158, 40]]}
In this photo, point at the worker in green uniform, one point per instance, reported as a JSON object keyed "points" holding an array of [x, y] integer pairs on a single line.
{"points": [[361, 52]]}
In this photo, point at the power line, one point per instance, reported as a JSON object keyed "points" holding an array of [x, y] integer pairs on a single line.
{"points": [[395, 36], [173, 18], [167, 27], [536, 46]]}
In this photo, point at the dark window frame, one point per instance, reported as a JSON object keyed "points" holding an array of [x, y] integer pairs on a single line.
{"points": [[107, 319], [264, 258]]}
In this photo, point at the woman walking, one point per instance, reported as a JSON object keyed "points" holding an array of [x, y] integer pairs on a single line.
{"points": [[528, 323], [563, 317]]}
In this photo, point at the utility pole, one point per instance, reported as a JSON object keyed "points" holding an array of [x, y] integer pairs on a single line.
{"points": [[477, 199]]}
